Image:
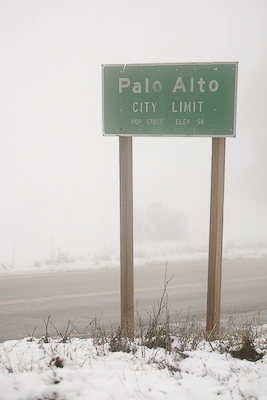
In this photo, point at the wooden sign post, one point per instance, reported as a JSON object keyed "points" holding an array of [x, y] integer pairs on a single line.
{"points": [[126, 236], [216, 235]]}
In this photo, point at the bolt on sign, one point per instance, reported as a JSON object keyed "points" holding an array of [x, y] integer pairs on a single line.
{"points": [[170, 99]]}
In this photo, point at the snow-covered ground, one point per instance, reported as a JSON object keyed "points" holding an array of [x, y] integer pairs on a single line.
{"points": [[79, 369]]}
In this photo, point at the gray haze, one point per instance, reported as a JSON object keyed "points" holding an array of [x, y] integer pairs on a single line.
{"points": [[59, 176]]}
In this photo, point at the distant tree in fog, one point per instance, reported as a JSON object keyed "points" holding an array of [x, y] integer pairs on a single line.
{"points": [[157, 223]]}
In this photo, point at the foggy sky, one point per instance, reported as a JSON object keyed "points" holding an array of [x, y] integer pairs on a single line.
{"points": [[59, 176]]}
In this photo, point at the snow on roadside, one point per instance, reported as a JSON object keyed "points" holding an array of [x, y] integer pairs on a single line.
{"points": [[31, 369], [153, 254]]}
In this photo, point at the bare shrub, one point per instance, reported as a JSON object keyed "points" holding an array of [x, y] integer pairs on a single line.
{"points": [[158, 332], [240, 340], [189, 333]]}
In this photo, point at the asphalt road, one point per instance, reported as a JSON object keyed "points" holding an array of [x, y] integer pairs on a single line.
{"points": [[26, 302]]}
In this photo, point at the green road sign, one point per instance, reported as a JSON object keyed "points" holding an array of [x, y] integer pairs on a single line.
{"points": [[170, 99]]}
